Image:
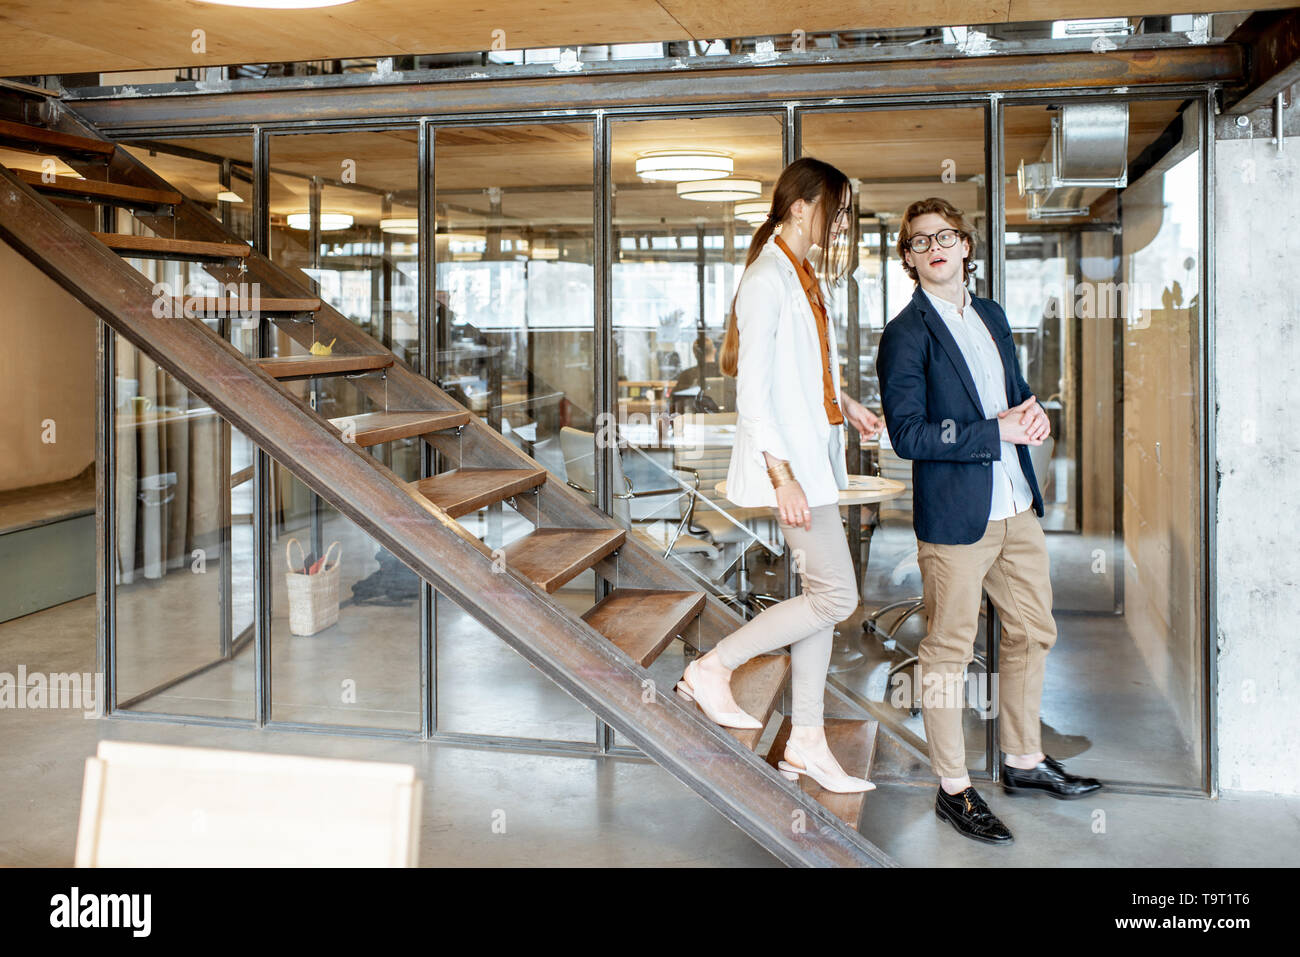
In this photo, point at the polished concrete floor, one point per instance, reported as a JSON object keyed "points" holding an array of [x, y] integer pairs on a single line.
{"points": [[595, 812]]}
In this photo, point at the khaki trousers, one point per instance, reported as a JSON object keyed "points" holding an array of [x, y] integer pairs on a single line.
{"points": [[1010, 563]]}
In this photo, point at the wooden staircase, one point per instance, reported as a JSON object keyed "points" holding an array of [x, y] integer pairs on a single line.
{"points": [[652, 603]]}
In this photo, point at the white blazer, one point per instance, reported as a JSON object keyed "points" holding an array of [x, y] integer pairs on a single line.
{"points": [[779, 402]]}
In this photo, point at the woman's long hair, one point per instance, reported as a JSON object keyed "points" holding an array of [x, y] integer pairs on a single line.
{"points": [[810, 180]]}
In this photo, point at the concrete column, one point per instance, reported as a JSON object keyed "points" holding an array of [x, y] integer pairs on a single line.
{"points": [[1256, 371]]}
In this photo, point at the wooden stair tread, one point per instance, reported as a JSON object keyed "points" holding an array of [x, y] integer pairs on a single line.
{"points": [[172, 248], [215, 305], [853, 743], [466, 490], [118, 193], [756, 685], [644, 621], [39, 139], [307, 366], [373, 428], [553, 556]]}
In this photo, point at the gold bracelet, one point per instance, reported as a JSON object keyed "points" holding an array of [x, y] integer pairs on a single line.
{"points": [[780, 474]]}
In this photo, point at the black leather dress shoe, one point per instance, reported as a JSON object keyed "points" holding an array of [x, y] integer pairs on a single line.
{"points": [[1050, 776], [968, 813]]}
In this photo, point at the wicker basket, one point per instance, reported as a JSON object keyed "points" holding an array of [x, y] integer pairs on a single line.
{"points": [[313, 599]]}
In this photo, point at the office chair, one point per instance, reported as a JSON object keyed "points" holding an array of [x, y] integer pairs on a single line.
{"points": [[579, 452]]}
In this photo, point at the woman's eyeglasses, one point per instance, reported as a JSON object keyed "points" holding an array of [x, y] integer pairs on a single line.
{"points": [[946, 238]]}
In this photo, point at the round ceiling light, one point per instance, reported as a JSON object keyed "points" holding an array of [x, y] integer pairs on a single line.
{"points": [[754, 212], [328, 221], [675, 166], [400, 227], [720, 190]]}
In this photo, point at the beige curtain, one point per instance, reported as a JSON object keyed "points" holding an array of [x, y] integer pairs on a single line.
{"points": [[167, 449]]}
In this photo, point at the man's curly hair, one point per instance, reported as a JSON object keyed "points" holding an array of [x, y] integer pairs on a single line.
{"points": [[955, 217]]}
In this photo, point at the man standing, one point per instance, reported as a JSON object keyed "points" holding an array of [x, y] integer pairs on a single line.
{"points": [[956, 404]]}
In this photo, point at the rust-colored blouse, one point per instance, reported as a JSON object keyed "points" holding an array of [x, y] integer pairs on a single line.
{"points": [[813, 291]]}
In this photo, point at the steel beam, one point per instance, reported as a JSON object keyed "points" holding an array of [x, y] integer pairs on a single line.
{"points": [[807, 79], [1271, 39]]}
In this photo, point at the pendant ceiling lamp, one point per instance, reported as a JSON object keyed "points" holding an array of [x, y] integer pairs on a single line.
{"points": [[720, 190], [328, 221], [401, 227], [680, 165], [752, 212]]}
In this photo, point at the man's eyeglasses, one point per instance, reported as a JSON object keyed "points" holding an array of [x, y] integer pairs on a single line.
{"points": [[946, 238]]}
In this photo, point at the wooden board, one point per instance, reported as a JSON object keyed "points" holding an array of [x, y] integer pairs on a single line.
{"points": [[373, 428], [52, 502], [117, 194], [756, 685], [70, 36], [40, 140], [215, 306], [854, 745], [161, 247], [305, 367], [553, 556], [156, 805], [644, 621], [465, 490]]}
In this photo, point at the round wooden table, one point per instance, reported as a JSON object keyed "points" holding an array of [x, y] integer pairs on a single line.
{"points": [[862, 490]]}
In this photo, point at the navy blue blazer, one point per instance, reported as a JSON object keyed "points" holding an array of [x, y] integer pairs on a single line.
{"points": [[935, 418]]}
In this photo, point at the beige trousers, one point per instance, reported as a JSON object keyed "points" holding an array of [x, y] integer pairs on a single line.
{"points": [[807, 621], [1010, 563]]}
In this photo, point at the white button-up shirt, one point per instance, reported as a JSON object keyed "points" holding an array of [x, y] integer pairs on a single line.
{"points": [[1010, 487]]}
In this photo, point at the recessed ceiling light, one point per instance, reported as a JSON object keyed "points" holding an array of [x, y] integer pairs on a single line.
{"points": [[720, 190], [228, 196], [328, 221], [679, 165], [279, 4]]}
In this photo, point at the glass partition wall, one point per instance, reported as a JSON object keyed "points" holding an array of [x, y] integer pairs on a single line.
{"points": [[1103, 284], [1104, 293], [678, 246], [893, 157], [515, 325], [181, 534]]}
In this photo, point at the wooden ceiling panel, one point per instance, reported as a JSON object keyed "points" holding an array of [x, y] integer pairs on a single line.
{"points": [[74, 36], [892, 145], [752, 18], [542, 154], [1020, 11]]}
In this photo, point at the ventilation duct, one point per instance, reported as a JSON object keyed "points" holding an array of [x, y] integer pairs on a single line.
{"points": [[1088, 149]]}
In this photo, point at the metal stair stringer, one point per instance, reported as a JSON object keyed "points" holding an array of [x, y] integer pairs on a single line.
{"points": [[701, 755]]}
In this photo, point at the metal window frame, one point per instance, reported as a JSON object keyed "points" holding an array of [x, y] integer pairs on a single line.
{"points": [[994, 101]]}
